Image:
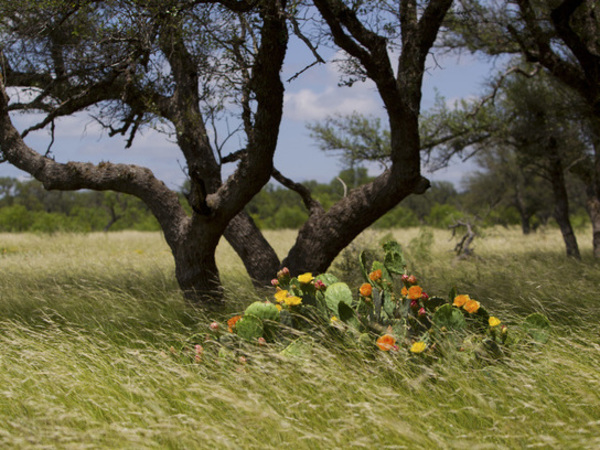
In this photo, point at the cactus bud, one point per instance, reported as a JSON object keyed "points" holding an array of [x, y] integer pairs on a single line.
{"points": [[404, 278], [422, 313], [274, 282], [319, 285], [262, 341], [414, 304], [214, 326], [412, 279]]}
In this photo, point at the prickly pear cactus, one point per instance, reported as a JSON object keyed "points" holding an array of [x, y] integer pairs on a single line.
{"points": [[263, 310], [336, 293], [538, 327], [449, 317], [249, 327]]}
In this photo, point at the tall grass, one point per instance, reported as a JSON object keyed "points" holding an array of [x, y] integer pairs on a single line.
{"points": [[87, 323]]}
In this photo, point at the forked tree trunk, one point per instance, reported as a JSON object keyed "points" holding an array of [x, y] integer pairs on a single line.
{"points": [[196, 268], [323, 236], [259, 258]]}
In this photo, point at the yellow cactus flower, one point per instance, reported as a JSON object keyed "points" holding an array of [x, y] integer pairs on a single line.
{"points": [[460, 300], [494, 321], [334, 319], [305, 278], [418, 347], [280, 295], [292, 301]]}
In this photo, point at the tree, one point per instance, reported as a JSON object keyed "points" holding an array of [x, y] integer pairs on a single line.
{"points": [[138, 63], [503, 184], [149, 63], [562, 37]]}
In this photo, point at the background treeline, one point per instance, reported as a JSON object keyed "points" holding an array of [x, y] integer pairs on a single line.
{"points": [[27, 206], [484, 199]]}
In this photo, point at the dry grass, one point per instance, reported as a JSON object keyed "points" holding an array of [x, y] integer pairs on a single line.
{"points": [[87, 321]]}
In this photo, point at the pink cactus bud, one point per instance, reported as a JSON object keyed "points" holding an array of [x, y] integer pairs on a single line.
{"points": [[319, 285], [198, 349], [285, 271], [262, 341], [214, 326], [412, 279], [424, 296], [404, 278], [414, 304], [274, 282], [422, 312]]}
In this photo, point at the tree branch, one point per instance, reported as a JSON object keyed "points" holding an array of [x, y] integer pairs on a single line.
{"points": [[312, 205]]}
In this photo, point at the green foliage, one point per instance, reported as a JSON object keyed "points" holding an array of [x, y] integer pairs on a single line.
{"points": [[249, 327], [96, 353], [337, 293], [263, 310], [427, 327], [449, 317], [537, 327], [27, 206]]}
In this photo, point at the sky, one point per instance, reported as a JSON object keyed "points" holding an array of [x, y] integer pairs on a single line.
{"points": [[312, 96]]}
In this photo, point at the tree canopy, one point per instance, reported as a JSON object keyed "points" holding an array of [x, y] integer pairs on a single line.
{"points": [[180, 64]]}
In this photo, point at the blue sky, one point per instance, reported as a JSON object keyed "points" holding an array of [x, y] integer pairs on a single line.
{"points": [[312, 96]]}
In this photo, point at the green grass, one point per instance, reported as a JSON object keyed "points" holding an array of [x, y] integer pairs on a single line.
{"points": [[87, 322]]}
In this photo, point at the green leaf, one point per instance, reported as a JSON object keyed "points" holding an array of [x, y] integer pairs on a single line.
{"points": [[389, 305], [434, 302], [249, 327], [449, 317], [538, 327], [452, 294], [394, 259], [385, 275], [297, 348], [263, 310], [327, 279], [336, 293], [362, 262], [347, 315]]}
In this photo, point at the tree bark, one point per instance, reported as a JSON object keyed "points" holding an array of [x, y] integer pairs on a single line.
{"points": [[259, 258], [323, 236], [561, 200]]}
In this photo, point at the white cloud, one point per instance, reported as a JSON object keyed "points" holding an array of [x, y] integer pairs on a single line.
{"points": [[308, 104]]}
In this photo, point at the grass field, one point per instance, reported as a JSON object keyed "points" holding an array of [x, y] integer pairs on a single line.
{"points": [[87, 323]]}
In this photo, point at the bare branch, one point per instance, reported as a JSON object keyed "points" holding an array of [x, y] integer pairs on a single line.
{"points": [[312, 205]]}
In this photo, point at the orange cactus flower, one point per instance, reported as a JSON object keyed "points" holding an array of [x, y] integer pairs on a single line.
{"points": [[404, 291], [460, 300], [415, 292], [366, 290], [231, 323], [375, 275], [472, 306], [386, 342]]}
